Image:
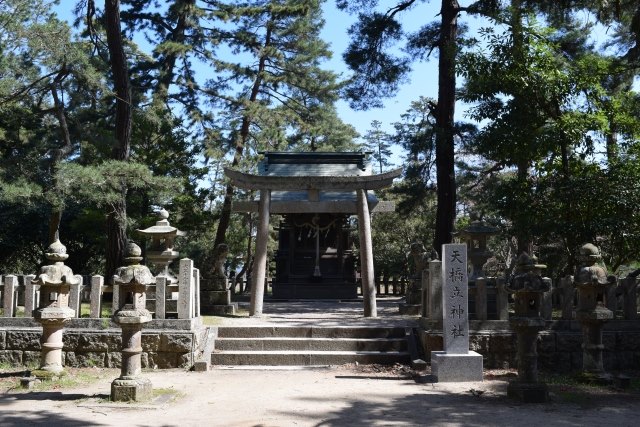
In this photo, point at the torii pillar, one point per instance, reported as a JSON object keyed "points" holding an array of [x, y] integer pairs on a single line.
{"points": [[366, 256], [260, 260]]}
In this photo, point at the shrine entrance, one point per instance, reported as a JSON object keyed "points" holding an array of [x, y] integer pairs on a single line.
{"points": [[316, 194], [315, 258]]}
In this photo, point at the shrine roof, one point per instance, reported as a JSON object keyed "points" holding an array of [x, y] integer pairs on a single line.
{"points": [[314, 164]]}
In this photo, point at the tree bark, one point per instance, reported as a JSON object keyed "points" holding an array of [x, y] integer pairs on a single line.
{"points": [[58, 155], [445, 144], [117, 214], [241, 141]]}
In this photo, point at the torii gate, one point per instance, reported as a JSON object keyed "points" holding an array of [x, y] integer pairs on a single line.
{"points": [[313, 184]]}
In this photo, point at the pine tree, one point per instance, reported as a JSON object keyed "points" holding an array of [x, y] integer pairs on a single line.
{"points": [[377, 142]]}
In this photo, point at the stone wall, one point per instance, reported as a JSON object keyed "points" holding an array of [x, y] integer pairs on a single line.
{"points": [[559, 345], [162, 349]]}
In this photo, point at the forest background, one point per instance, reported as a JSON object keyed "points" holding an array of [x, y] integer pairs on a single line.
{"points": [[526, 113]]}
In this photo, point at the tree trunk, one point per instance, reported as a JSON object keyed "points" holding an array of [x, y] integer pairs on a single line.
{"points": [[241, 141], [445, 145], [117, 214], [57, 156]]}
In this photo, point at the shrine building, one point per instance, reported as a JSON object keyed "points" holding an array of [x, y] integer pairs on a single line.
{"points": [[316, 194]]}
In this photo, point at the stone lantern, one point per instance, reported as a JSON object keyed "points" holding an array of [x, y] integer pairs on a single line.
{"points": [[592, 282], [528, 288], [476, 235], [131, 315], [161, 252], [53, 310]]}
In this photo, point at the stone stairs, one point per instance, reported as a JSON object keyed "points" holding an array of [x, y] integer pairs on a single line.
{"points": [[310, 345]]}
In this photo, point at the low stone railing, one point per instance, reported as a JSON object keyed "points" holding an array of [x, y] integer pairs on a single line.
{"points": [[621, 299], [181, 300]]}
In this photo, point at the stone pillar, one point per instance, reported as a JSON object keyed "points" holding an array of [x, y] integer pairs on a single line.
{"points": [[528, 288], [366, 256], [260, 261], [161, 297], [629, 289], [96, 296], [53, 309], [424, 312], [30, 292], [481, 298], [567, 291], [435, 290], [75, 295], [456, 363], [9, 295], [546, 311], [592, 282], [502, 299], [131, 315], [186, 287]]}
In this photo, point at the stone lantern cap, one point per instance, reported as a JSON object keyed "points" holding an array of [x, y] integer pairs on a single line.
{"points": [[133, 273], [479, 228], [162, 227], [133, 278], [56, 274], [527, 276]]}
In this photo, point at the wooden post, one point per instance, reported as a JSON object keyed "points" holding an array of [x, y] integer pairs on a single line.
{"points": [[260, 261], [366, 256]]}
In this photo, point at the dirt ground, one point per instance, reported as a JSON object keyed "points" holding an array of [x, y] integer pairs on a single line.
{"points": [[335, 396]]}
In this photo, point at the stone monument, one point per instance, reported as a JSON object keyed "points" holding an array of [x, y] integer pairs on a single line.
{"points": [[528, 288], [216, 295], [53, 310], [456, 363], [592, 282], [131, 315]]}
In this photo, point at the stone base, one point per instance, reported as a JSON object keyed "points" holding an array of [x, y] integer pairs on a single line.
{"points": [[137, 389], [597, 378], [48, 375], [410, 309], [448, 367], [210, 298], [528, 392], [220, 310]]}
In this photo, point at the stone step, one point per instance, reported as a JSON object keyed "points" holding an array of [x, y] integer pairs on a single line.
{"points": [[310, 332], [308, 358], [312, 344]]}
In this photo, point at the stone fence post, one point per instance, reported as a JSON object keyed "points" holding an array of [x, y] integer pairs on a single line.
{"points": [[74, 295], [435, 290], [95, 300], [186, 290], [481, 298], [161, 297], [30, 295], [567, 291], [628, 288], [9, 297], [502, 299]]}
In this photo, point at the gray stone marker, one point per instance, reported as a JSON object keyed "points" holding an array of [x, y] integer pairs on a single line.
{"points": [[435, 290], [456, 363]]}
